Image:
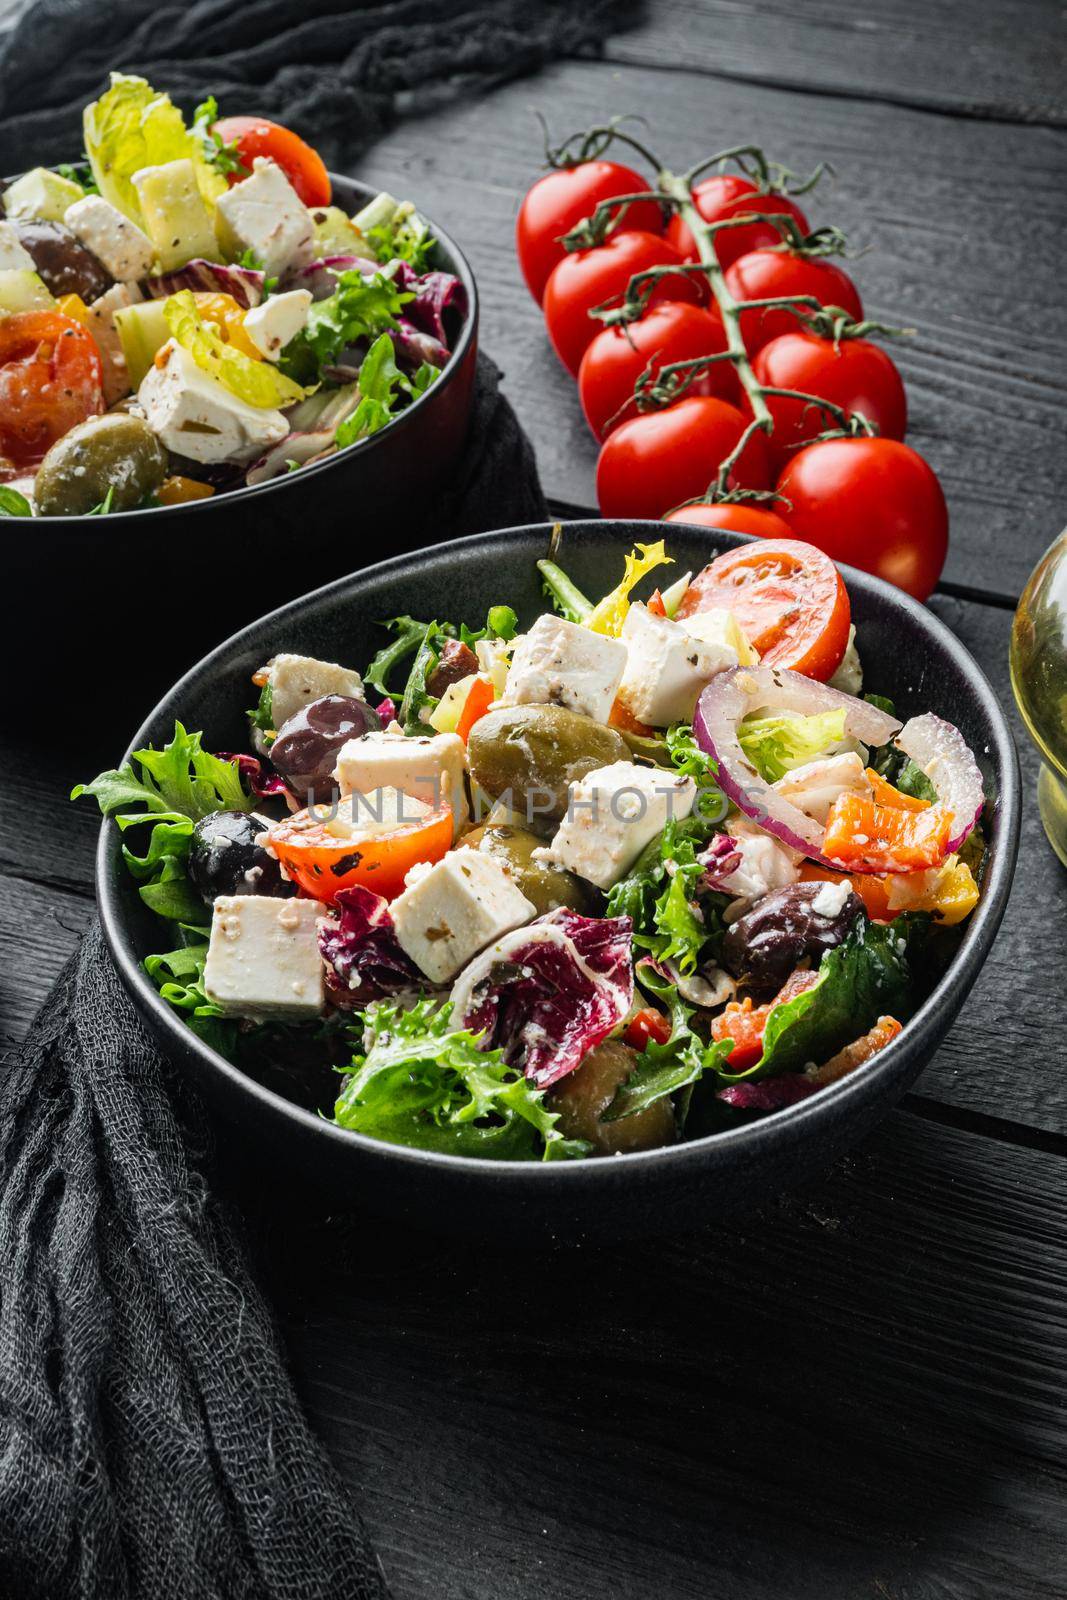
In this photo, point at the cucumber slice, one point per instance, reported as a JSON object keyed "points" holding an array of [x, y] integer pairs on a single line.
{"points": [[41, 194], [176, 219], [143, 330], [22, 290]]}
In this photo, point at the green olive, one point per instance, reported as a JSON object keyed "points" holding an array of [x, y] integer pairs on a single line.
{"points": [[582, 1098], [536, 751], [116, 453], [544, 886]]}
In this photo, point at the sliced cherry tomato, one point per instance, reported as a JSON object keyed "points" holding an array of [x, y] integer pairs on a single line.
{"points": [[647, 1027], [729, 195], [588, 278], [745, 1024], [874, 503], [854, 374], [656, 461], [874, 838], [766, 274], [617, 357], [789, 601], [303, 166], [49, 381], [480, 697], [560, 200], [321, 862], [620, 716], [738, 517]]}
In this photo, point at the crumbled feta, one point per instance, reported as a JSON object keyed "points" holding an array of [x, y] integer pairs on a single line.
{"points": [[115, 241], [295, 681], [449, 912], [830, 900], [263, 213], [263, 957], [612, 813], [562, 664], [195, 416], [666, 668], [430, 767], [278, 320]]}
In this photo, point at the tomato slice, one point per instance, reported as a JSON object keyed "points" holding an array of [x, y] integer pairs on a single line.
{"points": [[322, 862], [745, 1024], [647, 1027], [49, 381], [789, 601], [303, 166]]}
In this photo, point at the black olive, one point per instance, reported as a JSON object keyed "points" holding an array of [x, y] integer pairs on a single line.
{"points": [[63, 263], [305, 751], [765, 945], [225, 857]]}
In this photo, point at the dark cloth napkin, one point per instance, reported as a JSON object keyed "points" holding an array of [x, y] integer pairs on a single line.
{"points": [[151, 1444]]}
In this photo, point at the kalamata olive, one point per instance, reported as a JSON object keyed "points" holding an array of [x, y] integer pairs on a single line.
{"points": [[62, 261], [225, 857], [457, 662], [536, 751], [115, 453], [804, 919], [305, 751], [582, 1098], [545, 886]]}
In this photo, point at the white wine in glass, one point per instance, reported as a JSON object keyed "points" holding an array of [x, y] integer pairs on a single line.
{"points": [[1039, 679]]}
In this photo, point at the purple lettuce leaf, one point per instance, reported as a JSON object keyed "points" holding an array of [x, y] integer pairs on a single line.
{"points": [[209, 277], [767, 1094], [261, 782], [363, 957], [435, 294]]}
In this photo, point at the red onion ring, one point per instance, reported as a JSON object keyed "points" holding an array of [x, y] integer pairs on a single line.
{"points": [[939, 748], [734, 695]]}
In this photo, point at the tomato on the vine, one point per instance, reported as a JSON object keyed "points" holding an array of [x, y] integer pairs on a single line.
{"points": [[853, 373], [768, 274], [738, 516], [726, 195], [257, 136], [617, 357], [654, 462], [50, 380], [789, 601], [587, 278], [874, 503], [560, 200]]}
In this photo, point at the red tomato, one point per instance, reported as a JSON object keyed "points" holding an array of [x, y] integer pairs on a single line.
{"points": [[854, 374], [744, 1024], [647, 1027], [321, 863], [739, 517], [303, 166], [789, 601], [654, 462], [49, 381], [874, 503], [587, 278], [560, 200], [729, 195], [766, 273], [618, 356]]}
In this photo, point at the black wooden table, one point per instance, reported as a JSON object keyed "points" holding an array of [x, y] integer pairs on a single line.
{"points": [[860, 1391]]}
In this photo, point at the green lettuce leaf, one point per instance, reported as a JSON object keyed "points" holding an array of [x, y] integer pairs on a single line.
{"points": [[673, 919], [131, 126], [382, 389], [359, 308], [420, 1082], [13, 503], [179, 977], [775, 745], [257, 383], [688, 758], [671, 1068]]}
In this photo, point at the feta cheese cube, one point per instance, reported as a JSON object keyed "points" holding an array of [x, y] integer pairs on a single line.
{"points": [[263, 957], [720, 627], [263, 213], [666, 668], [279, 319], [295, 681], [453, 909], [612, 813], [114, 240], [814, 787], [101, 325], [195, 416], [14, 257], [559, 663], [430, 767]]}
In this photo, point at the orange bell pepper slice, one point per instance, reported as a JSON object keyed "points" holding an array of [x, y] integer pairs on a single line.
{"points": [[321, 863], [886, 795], [744, 1023], [179, 491], [873, 891], [863, 835], [480, 697]]}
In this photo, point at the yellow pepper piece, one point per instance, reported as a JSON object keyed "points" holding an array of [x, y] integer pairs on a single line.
{"points": [[948, 891], [74, 307], [178, 491], [228, 317], [609, 616]]}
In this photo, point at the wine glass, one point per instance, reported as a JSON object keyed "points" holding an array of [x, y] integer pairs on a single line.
{"points": [[1039, 679]]}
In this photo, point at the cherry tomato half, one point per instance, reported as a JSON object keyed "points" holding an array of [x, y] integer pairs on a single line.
{"points": [[738, 517], [587, 278], [874, 503], [766, 274], [855, 374], [789, 601], [647, 1027], [654, 462], [321, 862], [617, 357], [729, 195], [49, 381], [560, 200], [303, 166]]}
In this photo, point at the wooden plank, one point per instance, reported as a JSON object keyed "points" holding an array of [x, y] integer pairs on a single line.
{"points": [[971, 264], [856, 1393], [39, 928], [997, 61]]}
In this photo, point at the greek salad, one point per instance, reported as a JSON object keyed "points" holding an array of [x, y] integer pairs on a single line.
{"points": [[185, 311], [628, 875]]}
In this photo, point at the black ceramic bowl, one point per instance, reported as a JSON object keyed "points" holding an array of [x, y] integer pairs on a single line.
{"points": [[907, 653], [189, 574]]}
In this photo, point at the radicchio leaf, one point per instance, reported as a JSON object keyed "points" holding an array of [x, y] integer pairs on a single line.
{"points": [[435, 294], [768, 1094], [363, 957], [261, 782], [209, 277]]}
